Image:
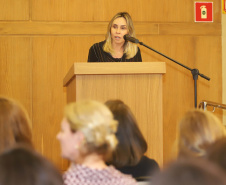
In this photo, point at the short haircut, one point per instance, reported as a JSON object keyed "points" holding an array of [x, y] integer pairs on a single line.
{"points": [[198, 129], [23, 166], [193, 171], [15, 126], [132, 145], [97, 124]]}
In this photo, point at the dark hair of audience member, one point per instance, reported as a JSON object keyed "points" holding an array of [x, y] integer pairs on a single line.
{"points": [[131, 141], [216, 153], [15, 126], [23, 166], [190, 171]]}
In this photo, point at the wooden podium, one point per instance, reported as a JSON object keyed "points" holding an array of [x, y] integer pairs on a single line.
{"points": [[138, 84]]}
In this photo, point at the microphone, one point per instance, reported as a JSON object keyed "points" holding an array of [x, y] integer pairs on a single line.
{"points": [[127, 37]]}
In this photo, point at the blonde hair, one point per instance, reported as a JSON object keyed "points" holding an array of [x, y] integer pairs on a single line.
{"points": [[198, 129], [15, 126], [96, 122], [130, 49]]}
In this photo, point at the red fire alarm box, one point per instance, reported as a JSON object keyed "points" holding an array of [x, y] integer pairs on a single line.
{"points": [[203, 11], [224, 6]]}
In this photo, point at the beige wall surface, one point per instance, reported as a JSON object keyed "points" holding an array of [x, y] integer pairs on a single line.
{"points": [[41, 39]]}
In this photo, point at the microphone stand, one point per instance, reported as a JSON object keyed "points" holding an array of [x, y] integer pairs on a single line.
{"points": [[194, 72]]}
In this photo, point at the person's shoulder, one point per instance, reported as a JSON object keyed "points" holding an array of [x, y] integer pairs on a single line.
{"points": [[123, 178], [102, 43], [98, 44], [148, 160], [149, 164]]}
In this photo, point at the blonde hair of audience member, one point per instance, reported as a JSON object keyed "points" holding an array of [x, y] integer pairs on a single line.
{"points": [[22, 166], [129, 48], [15, 126], [198, 129], [91, 130]]}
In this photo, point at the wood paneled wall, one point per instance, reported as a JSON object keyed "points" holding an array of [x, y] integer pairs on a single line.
{"points": [[41, 39], [224, 64]]}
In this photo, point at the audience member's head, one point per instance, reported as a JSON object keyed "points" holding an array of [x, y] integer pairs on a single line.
{"points": [[216, 153], [193, 171], [23, 166], [198, 129], [132, 145], [15, 126], [88, 127]]}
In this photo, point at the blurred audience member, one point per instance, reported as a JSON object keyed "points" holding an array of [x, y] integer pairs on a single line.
{"points": [[129, 155], [216, 153], [87, 139], [192, 171], [198, 129], [15, 126], [23, 166]]}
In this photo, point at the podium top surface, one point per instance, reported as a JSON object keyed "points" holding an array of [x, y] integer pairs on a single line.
{"points": [[103, 68]]}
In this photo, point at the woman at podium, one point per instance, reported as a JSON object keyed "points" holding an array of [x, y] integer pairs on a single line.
{"points": [[115, 48]]}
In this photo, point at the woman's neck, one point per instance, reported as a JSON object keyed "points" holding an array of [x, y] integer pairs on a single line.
{"points": [[118, 50], [94, 161]]}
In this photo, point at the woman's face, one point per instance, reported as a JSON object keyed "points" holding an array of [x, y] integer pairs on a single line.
{"points": [[118, 30], [68, 141]]}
